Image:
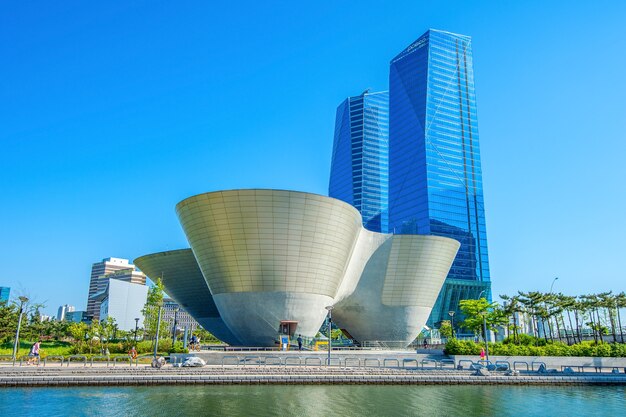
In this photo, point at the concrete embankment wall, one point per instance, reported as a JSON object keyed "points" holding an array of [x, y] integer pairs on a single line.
{"points": [[282, 375]]}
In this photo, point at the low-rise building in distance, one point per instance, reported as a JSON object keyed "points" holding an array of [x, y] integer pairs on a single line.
{"points": [[63, 310], [172, 311], [76, 316], [123, 301], [100, 275]]}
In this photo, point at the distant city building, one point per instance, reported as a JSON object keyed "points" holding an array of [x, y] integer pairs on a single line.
{"points": [[44, 317], [63, 310], [122, 300], [100, 275], [435, 176], [183, 319], [4, 294], [359, 173], [76, 316]]}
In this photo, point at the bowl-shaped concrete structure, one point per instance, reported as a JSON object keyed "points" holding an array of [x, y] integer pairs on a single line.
{"points": [[184, 282], [397, 288], [270, 257], [270, 261]]}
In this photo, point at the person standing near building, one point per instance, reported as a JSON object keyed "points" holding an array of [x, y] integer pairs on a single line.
{"points": [[299, 339]]}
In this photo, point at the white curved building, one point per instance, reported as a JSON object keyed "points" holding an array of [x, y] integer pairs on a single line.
{"points": [[272, 260]]}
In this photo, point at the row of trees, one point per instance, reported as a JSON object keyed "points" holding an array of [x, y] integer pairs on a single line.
{"points": [[560, 316], [598, 312], [87, 337]]}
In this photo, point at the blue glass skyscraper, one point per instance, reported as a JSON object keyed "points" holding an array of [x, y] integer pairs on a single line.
{"points": [[360, 161], [435, 178]]}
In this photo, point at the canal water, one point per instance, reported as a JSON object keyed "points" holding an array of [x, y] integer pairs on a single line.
{"points": [[315, 400]]}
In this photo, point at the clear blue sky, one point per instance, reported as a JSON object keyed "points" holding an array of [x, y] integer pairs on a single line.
{"points": [[110, 114]]}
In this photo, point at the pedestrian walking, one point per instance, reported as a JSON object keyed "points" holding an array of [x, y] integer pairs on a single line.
{"points": [[299, 339], [33, 355]]}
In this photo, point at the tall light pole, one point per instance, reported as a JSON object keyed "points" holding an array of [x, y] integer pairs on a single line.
{"points": [[156, 342], [330, 326], [174, 332], [451, 314], [23, 300], [136, 327], [552, 285], [484, 314]]}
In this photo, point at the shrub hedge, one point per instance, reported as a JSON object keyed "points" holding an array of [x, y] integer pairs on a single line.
{"points": [[586, 348]]}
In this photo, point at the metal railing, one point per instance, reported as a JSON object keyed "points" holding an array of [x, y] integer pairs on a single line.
{"points": [[265, 362], [386, 360], [358, 361], [83, 357], [311, 358], [329, 361], [532, 365], [29, 359], [251, 357], [285, 362], [409, 360], [427, 361], [462, 361], [366, 360], [122, 359], [48, 358], [230, 357]]}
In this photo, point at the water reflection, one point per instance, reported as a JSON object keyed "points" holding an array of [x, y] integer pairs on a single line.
{"points": [[314, 401]]}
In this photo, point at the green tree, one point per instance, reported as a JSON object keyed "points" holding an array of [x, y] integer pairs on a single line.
{"points": [[620, 302], [473, 311], [445, 329], [151, 311], [511, 309], [8, 320]]}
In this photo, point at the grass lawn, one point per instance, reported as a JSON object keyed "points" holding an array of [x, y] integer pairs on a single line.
{"points": [[46, 348]]}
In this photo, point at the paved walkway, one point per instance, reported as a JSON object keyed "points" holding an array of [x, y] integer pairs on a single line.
{"points": [[169, 375]]}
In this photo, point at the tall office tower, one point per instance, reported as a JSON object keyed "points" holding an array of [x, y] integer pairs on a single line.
{"points": [[98, 282], [4, 294], [63, 310], [360, 161], [435, 178]]}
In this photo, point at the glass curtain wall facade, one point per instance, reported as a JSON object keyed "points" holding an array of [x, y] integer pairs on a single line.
{"points": [[360, 163], [435, 173]]}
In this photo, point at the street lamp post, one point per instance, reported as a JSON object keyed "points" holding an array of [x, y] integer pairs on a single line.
{"points": [[156, 342], [175, 323], [330, 326], [136, 327], [552, 285], [451, 314], [484, 314], [23, 300]]}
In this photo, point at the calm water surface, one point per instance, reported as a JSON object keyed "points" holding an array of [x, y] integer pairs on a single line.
{"points": [[314, 400]]}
